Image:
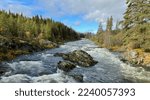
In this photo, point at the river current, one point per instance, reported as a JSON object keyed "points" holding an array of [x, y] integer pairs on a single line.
{"points": [[41, 67]]}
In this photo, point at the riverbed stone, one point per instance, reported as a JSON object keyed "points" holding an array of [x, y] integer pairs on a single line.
{"points": [[66, 66], [78, 78]]}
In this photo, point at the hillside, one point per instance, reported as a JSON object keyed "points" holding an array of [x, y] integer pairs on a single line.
{"points": [[20, 34]]}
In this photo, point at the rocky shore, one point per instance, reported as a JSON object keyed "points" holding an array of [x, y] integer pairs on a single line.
{"points": [[137, 58], [10, 47]]}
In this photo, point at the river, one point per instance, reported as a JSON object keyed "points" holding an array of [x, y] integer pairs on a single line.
{"points": [[41, 67]]}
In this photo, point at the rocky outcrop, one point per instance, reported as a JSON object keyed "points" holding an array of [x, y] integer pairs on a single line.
{"points": [[78, 57], [137, 57], [47, 43], [10, 47], [66, 66], [132, 56], [17, 43]]}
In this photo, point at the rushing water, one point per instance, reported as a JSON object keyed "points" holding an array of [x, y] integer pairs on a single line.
{"points": [[42, 67]]}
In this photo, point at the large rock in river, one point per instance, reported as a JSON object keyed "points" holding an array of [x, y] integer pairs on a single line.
{"points": [[79, 57], [66, 66]]}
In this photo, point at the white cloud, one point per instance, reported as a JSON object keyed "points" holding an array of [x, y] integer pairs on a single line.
{"points": [[97, 16], [16, 6], [96, 10]]}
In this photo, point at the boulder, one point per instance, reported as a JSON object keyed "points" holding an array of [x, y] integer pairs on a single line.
{"points": [[78, 78], [133, 54], [3, 70], [130, 54], [47, 43], [66, 66], [79, 57]]}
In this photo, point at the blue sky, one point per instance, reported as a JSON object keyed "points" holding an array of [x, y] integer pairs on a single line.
{"points": [[81, 15]]}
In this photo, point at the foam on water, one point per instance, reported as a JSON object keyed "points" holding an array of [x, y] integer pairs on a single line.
{"points": [[18, 78], [54, 78], [32, 68], [135, 74]]}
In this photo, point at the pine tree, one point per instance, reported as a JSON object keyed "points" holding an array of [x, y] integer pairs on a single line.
{"points": [[47, 31], [12, 25], [138, 12], [4, 29], [117, 25], [20, 26], [109, 24], [100, 28]]}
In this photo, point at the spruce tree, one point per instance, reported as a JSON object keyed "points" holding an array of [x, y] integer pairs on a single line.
{"points": [[117, 25], [138, 12], [109, 24], [100, 28], [4, 28]]}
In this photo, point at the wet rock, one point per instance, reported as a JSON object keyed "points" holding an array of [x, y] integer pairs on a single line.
{"points": [[130, 55], [66, 66], [79, 57], [3, 70], [78, 78], [16, 43], [47, 43], [137, 58], [133, 54]]}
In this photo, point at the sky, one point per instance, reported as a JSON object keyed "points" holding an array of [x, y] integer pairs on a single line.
{"points": [[81, 15]]}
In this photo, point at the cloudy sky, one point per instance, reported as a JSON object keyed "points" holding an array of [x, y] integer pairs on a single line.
{"points": [[81, 15]]}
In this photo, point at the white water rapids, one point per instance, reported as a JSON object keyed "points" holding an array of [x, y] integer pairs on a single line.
{"points": [[42, 67]]}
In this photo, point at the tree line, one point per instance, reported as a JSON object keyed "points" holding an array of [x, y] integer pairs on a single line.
{"points": [[132, 32], [36, 27]]}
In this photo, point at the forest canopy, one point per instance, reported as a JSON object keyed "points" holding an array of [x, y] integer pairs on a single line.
{"points": [[17, 25]]}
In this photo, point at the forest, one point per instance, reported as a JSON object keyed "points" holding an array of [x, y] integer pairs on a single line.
{"points": [[20, 34], [130, 34]]}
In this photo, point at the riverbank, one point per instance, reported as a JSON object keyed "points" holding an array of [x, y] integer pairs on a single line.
{"points": [[135, 48], [135, 57], [11, 47]]}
